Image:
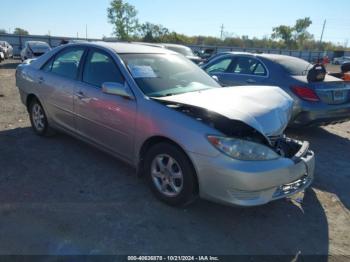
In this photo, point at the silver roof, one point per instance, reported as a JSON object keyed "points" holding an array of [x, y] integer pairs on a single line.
{"points": [[130, 48]]}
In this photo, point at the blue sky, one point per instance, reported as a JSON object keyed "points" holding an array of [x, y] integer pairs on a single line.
{"points": [[192, 17]]}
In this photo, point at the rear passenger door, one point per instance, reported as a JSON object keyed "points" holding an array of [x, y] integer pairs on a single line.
{"points": [[105, 119], [246, 70], [58, 78]]}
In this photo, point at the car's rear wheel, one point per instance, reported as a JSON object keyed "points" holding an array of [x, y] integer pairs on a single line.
{"points": [[170, 174], [38, 119]]}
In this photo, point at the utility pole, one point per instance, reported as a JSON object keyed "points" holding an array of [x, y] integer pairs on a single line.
{"points": [[320, 44], [77, 35], [222, 31], [86, 32], [324, 26]]}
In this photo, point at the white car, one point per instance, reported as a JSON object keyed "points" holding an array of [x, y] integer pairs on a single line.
{"points": [[34, 49], [2, 56], [7, 49], [341, 60]]}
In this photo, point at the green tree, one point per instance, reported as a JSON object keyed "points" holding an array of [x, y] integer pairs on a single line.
{"points": [[285, 33], [301, 34], [294, 36], [124, 18], [3, 31], [153, 33], [20, 31]]}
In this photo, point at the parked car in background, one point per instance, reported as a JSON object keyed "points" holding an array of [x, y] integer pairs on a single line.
{"points": [[34, 49], [72, 41], [181, 49], [341, 60], [315, 102], [166, 117], [7, 49], [185, 51], [344, 72], [2, 56], [205, 53]]}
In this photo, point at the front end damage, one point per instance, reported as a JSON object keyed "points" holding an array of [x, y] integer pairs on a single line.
{"points": [[249, 183]]}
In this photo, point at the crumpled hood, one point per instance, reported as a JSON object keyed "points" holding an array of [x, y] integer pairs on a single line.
{"points": [[266, 108]]}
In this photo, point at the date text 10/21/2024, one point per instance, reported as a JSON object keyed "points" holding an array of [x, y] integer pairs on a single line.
{"points": [[173, 258]]}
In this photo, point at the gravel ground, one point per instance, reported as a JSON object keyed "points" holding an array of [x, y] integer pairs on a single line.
{"points": [[61, 196]]}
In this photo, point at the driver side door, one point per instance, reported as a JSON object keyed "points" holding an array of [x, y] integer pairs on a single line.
{"points": [[105, 119]]}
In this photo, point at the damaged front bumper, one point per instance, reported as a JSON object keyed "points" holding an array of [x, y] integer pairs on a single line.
{"points": [[252, 183]]}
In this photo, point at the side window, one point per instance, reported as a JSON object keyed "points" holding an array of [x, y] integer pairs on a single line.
{"points": [[219, 66], [248, 66], [66, 63], [47, 67], [259, 70], [99, 68]]}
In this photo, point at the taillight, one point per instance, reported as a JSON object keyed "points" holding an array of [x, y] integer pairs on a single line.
{"points": [[305, 93]]}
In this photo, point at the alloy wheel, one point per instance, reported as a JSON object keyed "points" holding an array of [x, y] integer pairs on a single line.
{"points": [[167, 175]]}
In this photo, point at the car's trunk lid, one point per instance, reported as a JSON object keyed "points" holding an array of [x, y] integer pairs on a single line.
{"points": [[332, 90]]}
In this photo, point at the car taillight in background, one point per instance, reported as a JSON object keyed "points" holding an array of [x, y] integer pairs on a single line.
{"points": [[305, 93]]}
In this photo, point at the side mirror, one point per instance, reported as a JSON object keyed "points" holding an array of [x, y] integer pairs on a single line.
{"points": [[215, 78], [117, 89]]}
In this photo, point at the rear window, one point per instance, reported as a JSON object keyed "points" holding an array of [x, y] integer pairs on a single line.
{"points": [[294, 66]]}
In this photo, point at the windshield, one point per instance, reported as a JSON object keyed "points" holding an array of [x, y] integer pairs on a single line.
{"points": [[294, 66], [160, 75], [184, 50]]}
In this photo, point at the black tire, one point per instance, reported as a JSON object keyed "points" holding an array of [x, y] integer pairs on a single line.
{"points": [[188, 193], [43, 130]]}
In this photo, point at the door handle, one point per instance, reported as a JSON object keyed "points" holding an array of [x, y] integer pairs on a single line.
{"points": [[80, 95], [41, 80], [251, 81]]}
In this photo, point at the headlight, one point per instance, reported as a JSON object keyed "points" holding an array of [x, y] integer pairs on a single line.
{"points": [[242, 149]]}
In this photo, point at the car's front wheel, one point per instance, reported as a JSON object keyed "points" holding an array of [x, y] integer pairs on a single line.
{"points": [[170, 174], [38, 119]]}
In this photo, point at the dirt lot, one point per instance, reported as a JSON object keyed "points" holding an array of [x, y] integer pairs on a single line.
{"points": [[61, 196]]}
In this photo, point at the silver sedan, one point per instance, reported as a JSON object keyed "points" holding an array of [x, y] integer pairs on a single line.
{"points": [[166, 117]]}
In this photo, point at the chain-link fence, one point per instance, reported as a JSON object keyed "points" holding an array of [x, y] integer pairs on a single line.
{"points": [[17, 41]]}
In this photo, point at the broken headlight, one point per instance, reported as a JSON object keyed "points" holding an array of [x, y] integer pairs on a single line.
{"points": [[243, 149]]}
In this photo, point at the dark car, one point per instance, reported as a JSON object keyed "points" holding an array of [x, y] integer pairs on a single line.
{"points": [[316, 102], [206, 53]]}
